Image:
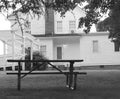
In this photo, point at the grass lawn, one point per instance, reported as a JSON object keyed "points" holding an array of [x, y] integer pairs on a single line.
{"points": [[97, 84]]}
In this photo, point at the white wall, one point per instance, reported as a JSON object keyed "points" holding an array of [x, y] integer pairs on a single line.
{"points": [[38, 25], [70, 47], [72, 15], [105, 55]]}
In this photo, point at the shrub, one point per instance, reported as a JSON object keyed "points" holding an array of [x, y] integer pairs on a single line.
{"points": [[36, 56]]}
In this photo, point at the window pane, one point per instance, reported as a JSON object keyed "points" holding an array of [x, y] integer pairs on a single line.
{"points": [[59, 26], [95, 46], [117, 46], [43, 49], [72, 25]]}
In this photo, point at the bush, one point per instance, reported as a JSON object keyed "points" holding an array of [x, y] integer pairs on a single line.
{"points": [[36, 56]]}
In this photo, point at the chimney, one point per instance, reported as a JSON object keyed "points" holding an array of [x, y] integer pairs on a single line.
{"points": [[49, 22]]}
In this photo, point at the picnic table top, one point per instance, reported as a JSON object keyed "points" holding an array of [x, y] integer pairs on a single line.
{"points": [[14, 60]]}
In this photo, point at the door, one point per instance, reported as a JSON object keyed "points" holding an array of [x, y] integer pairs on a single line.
{"points": [[59, 52]]}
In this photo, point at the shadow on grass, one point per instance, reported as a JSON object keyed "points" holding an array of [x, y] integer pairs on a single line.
{"points": [[60, 93], [95, 85]]}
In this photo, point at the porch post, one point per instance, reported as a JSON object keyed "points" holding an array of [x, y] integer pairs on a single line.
{"points": [[4, 49], [31, 53], [13, 49], [23, 51]]}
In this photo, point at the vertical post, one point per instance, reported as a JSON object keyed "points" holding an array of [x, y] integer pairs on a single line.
{"points": [[19, 76], [71, 74], [75, 81], [67, 80], [31, 53], [39, 48], [23, 52], [4, 48], [13, 49]]}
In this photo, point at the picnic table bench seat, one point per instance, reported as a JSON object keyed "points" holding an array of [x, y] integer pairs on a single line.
{"points": [[67, 73], [44, 72]]}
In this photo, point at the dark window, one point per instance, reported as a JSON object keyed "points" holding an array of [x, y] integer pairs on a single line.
{"points": [[117, 46]]}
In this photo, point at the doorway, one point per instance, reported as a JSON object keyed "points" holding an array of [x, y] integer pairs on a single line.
{"points": [[59, 52]]}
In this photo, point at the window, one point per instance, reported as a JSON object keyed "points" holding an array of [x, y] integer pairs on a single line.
{"points": [[43, 49], [95, 46], [117, 46], [59, 26], [72, 26]]}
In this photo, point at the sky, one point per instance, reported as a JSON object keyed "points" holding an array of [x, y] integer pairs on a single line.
{"points": [[4, 25]]}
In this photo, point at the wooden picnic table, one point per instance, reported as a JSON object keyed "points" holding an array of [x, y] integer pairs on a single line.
{"points": [[71, 75]]}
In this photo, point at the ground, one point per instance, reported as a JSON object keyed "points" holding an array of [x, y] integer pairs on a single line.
{"points": [[97, 84]]}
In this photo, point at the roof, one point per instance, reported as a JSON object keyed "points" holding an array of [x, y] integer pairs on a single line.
{"points": [[7, 36], [56, 35], [71, 35]]}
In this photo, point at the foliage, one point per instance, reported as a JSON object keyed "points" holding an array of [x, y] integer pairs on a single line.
{"points": [[112, 24], [94, 9], [36, 56]]}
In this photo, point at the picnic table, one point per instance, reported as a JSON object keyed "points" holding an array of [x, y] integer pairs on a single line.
{"points": [[71, 74]]}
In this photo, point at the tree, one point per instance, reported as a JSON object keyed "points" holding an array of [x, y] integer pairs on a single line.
{"points": [[112, 22], [94, 10]]}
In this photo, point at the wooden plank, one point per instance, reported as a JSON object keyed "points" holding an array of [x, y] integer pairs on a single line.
{"points": [[35, 73], [45, 60]]}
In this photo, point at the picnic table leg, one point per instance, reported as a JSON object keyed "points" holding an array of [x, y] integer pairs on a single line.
{"points": [[75, 81], [67, 80], [71, 75], [19, 76]]}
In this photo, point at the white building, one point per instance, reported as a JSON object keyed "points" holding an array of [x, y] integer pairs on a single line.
{"points": [[64, 40], [60, 38]]}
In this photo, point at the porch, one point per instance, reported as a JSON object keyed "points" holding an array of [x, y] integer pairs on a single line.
{"points": [[66, 47]]}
